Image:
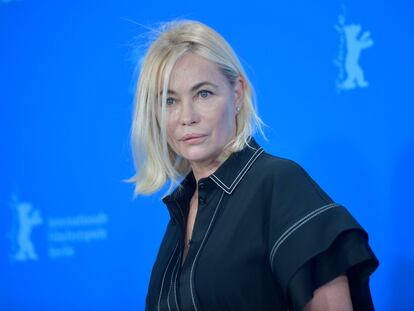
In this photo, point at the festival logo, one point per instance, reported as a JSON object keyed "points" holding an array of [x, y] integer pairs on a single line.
{"points": [[27, 219], [352, 42], [62, 235]]}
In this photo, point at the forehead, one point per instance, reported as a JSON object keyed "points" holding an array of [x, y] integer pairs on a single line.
{"points": [[191, 69]]}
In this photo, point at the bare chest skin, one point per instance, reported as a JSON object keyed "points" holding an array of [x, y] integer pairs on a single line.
{"points": [[190, 224]]}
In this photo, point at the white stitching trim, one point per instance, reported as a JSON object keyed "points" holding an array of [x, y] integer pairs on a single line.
{"points": [[252, 158], [198, 252], [296, 226], [163, 278], [175, 283], [178, 261], [172, 283], [241, 174]]}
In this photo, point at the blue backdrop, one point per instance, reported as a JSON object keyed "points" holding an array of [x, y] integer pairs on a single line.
{"points": [[334, 83]]}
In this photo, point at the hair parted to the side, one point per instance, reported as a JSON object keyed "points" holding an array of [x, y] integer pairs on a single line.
{"points": [[155, 162]]}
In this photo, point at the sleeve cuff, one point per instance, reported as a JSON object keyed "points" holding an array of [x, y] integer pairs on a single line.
{"points": [[349, 254], [321, 248]]}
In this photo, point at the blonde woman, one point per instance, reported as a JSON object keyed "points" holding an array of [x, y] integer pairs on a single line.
{"points": [[248, 230]]}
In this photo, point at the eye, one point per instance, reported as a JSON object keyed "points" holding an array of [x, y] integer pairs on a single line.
{"points": [[204, 93], [169, 101]]}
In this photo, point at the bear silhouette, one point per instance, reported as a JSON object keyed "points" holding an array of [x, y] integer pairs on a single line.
{"points": [[354, 45], [28, 218]]}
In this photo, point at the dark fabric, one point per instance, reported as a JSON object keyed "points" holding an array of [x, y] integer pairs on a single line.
{"points": [[266, 236], [340, 258]]}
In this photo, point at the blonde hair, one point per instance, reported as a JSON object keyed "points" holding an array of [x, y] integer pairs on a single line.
{"points": [[154, 160]]}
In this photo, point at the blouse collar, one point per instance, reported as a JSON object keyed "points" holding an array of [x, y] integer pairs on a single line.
{"points": [[227, 176]]}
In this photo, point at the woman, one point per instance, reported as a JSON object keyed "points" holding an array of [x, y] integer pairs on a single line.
{"points": [[248, 230]]}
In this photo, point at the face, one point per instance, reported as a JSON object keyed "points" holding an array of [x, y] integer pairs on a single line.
{"points": [[201, 109]]}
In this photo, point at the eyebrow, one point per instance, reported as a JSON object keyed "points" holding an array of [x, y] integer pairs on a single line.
{"points": [[194, 87]]}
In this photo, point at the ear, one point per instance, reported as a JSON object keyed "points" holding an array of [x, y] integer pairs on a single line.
{"points": [[239, 89]]}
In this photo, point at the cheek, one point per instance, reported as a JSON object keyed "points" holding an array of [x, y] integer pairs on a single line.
{"points": [[170, 137], [226, 119], [171, 129], [172, 123]]}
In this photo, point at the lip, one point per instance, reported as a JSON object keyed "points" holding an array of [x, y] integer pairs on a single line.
{"points": [[192, 138]]}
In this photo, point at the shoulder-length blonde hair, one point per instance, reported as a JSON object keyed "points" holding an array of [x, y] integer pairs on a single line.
{"points": [[155, 161]]}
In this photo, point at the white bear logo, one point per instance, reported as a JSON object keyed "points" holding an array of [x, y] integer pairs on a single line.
{"points": [[27, 219], [352, 43]]}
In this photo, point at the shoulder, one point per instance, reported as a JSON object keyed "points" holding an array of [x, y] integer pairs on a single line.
{"points": [[287, 177], [278, 168]]}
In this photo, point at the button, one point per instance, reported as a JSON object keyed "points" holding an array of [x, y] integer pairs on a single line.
{"points": [[202, 186], [202, 200]]}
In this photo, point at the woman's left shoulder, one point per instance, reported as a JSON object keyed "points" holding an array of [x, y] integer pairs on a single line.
{"points": [[279, 166], [288, 176]]}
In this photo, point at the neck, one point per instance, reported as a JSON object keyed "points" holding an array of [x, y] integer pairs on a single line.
{"points": [[202, 170], [206, 168]]}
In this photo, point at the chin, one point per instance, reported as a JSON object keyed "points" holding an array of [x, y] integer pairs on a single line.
{"points": [[196, 154]]}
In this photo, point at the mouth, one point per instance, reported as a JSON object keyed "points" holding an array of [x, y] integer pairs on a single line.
{"points": [[193, 138]]}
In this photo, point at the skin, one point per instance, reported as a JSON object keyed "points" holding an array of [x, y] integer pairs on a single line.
{"points": [[209, 110], [208, 113], [333, 295]]}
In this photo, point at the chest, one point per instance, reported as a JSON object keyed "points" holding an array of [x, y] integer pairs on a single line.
{"points": [[192, 214], [226, 264]]}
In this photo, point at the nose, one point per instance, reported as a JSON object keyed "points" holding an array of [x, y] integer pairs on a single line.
{"points": [[188, 115]]}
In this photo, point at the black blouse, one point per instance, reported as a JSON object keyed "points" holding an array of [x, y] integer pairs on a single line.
{"points": [[265, 237]]}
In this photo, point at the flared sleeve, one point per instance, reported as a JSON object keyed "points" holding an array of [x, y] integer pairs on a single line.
{"points": [[313, 240]]}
